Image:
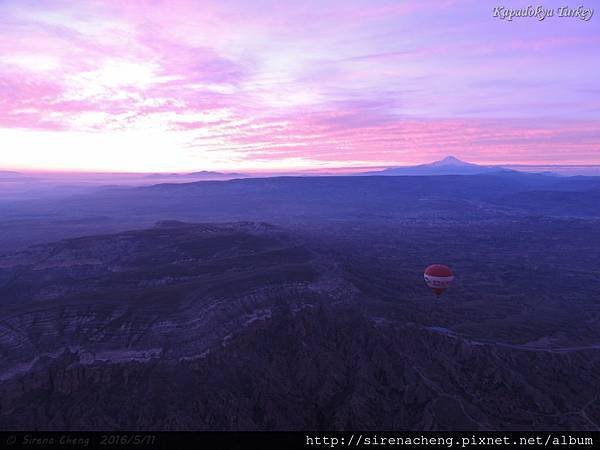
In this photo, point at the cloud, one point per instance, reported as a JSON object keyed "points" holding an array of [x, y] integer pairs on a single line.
{"points": [[312, 82]]}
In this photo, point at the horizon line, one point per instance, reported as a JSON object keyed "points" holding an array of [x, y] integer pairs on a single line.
{"points": [[275, 171]]}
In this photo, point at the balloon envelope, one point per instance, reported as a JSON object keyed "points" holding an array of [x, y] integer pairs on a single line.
{"points": [[438, 277]]}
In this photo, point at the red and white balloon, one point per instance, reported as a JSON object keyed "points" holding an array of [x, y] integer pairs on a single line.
{"points": [[438, 277]]}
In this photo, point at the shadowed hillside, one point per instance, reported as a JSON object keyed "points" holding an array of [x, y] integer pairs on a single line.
{"points": [[247, 326]]}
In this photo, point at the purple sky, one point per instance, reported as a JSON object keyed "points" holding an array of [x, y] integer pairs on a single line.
{"points": [[278, 85]]}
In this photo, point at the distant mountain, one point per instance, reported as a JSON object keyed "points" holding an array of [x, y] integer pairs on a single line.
{"points": [[450, 165], [9, 175], [162, 175], [210, 174], [203, 174]]}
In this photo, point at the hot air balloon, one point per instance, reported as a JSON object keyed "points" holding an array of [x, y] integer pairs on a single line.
{"points": [[438, 277]]}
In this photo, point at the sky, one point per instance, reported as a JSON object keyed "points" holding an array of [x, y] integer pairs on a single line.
{"points": [[173, 85]]}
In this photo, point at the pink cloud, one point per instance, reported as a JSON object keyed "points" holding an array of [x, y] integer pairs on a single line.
{"points": [[322, 139], [361, 81]]}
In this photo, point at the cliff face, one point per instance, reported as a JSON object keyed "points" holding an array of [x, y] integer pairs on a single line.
{"points": [[240, 326]]}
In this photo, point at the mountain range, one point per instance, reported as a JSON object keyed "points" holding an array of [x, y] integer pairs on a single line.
{"points": [[203, 174], [450, 165]]}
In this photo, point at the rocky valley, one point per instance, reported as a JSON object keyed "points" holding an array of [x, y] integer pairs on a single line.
{"points": [[249, 326]]}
